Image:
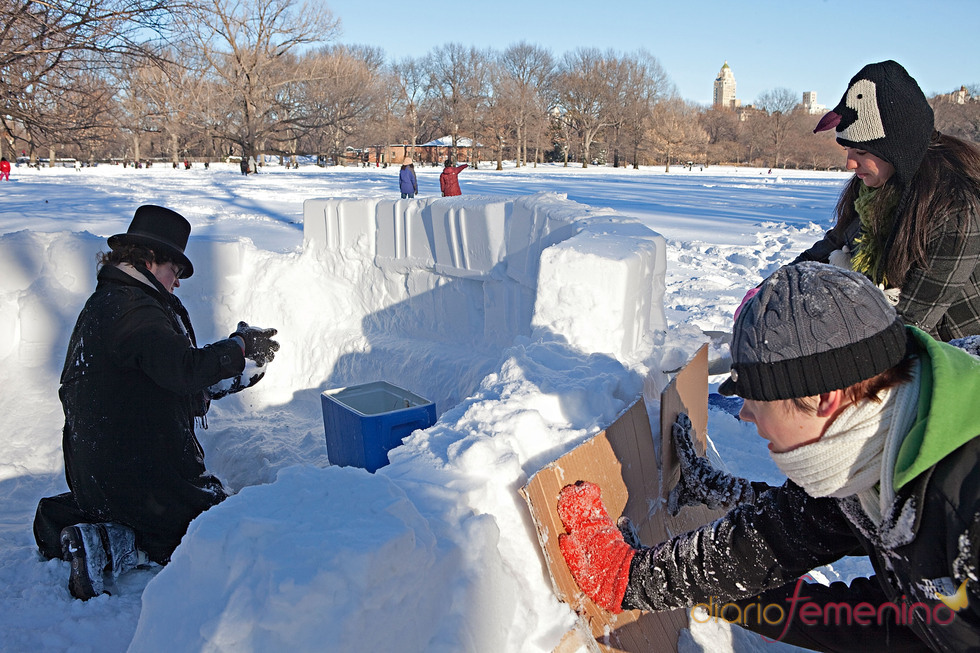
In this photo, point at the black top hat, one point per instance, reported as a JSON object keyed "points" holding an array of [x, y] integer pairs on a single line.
{"points": [[161, 230]]}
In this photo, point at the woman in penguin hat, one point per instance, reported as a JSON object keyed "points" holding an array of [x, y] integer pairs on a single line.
{"points": [[909, 219]]}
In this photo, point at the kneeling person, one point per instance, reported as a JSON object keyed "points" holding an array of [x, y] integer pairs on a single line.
{"points": [[133, 383]]}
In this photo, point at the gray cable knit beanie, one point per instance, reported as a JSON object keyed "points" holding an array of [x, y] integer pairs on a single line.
{"points": [[812, 328]]}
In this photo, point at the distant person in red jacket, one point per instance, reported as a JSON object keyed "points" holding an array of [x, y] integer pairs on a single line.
{"points": [[449, 179], [5, 170]]}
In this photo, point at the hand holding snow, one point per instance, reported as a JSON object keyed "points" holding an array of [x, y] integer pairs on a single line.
{"points": [[251, 375], [257, 343]]}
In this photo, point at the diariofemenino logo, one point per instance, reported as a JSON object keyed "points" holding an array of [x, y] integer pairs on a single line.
{"points": [[957, 601], [810, 613]]}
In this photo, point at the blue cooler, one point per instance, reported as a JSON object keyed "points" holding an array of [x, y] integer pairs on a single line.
{"points": [[364, 422]]}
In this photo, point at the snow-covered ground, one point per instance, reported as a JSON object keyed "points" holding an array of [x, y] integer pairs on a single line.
{"points": [[434, 552]]}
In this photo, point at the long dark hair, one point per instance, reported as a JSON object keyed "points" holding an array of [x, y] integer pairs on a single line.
{"points": [[948, 179]]}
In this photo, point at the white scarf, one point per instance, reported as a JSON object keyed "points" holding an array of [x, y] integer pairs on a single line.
{"points": [[134, 273], [858, 450]]}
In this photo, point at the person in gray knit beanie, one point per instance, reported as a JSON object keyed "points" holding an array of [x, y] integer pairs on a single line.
{"points": [[812, 328], [875, 427]]}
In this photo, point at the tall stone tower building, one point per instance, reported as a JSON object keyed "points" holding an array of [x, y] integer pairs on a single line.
{"points": [[724, 95], [810, 103]]}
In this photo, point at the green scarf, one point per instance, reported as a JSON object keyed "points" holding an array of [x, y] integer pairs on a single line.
{"points": [[876, 209]]}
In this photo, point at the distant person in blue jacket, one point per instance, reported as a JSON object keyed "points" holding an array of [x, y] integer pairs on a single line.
{"points": [[407, 181]]}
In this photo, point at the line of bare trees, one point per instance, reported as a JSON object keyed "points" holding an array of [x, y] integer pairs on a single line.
{"points": [[204, 79]]}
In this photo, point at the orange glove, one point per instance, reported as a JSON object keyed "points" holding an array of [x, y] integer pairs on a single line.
{"points": [[594, 549]]}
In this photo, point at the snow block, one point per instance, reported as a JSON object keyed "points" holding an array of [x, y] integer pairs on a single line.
{"points": [[537, 222], [425, 302], [610, 273], [341, 223], [402, 237], [428, 253], [468, 235], [505, 304]]}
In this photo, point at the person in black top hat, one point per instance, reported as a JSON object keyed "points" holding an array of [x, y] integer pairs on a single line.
{"points": [[909, 219], [133, 384]]}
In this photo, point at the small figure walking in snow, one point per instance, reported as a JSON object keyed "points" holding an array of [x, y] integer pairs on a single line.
{"points": [[449, 179], [408, 183]]}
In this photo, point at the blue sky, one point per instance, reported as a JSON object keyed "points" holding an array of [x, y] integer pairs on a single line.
{"points": [[802, 45]]}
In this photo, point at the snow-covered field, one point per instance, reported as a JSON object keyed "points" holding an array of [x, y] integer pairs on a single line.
{"points": [[434, 552]]}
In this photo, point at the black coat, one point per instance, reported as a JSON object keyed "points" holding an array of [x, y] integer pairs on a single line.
{"points": [[133, 383], [941, 296], [934, 534]]}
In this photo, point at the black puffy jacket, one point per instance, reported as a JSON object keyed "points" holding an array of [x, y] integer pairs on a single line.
{"points": [[928, 543], [133, 383], [935, 534]]}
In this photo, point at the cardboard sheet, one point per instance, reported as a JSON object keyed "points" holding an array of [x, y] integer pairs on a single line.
{"points": [[622, 460]]}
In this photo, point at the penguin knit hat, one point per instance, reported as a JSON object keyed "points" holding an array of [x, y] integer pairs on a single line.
{"points": [[884, 112], [812, 328]]}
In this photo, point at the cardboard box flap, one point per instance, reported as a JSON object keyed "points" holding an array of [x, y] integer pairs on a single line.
{"points": [[623, 462]]}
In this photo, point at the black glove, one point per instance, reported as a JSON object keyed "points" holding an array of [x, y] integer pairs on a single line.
{"points": [[700, 482], [258, 343], [628, 529], [246, 379]]}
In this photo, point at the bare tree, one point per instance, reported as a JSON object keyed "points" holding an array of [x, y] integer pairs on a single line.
{"points": [[724, 131], [818, 151], [496, 122], [675, 127], [641, 85], [479, 90], [171, 94], [560, 131], [778, 106], [336, 92], [586, 95], [52, 52], [960, 120], [135, 113], [528, 75], [412, 103], [246, 43], [456, 88]]}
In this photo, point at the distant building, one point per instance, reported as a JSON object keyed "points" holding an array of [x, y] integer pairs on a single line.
{"points": [[724, 95], [962, 96], [810, 102], [432, 153]]}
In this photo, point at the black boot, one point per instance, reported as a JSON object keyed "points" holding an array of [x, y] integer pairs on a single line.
{"points": [[120, 544], [93, 550], [82, 546]]}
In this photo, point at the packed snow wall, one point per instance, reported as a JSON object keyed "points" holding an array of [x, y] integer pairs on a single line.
{"points": [[485, 258], [428, 294]]}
